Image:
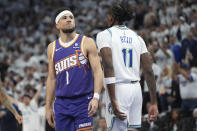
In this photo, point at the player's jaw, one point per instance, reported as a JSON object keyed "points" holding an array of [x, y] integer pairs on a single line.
{"points": [[68, 30]]}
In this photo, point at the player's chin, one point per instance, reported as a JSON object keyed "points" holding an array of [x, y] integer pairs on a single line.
{"points": [[68, 26], [68, 30]]}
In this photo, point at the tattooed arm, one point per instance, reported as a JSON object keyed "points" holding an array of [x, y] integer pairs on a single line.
{"points": [[5, 101], [149, 76]]}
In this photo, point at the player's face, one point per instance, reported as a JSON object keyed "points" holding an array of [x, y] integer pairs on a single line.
{"points": [[66, 23]]}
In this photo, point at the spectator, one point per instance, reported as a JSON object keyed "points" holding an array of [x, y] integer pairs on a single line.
{"points": [[29, 109], [163, 55], [189, 123], [188, 90], [175, 121], [175, 48], [189, 45], [165, 87], [183, 28]]}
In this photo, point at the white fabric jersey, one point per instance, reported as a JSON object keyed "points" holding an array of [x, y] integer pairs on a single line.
{"points": [[126, 48]]}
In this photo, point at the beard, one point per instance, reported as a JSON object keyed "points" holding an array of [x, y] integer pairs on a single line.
{"points": [[68, 30]]}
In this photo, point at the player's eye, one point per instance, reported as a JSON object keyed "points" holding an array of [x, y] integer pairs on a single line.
{"points": [[64, 17], [71, 17]]}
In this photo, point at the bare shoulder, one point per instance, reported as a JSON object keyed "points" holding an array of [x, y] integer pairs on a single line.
{"points": [[88, 40], [51, 45], [89, 43], [50, 48]]}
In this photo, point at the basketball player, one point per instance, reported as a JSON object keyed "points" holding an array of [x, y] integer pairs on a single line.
{"points": [[74, 74], [122, 50], [5, 101]]}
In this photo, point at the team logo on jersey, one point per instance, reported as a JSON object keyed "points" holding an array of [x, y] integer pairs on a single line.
{"points": [[82, 59], [110, 110], [73, 60], [76, 45], [66, 63]]}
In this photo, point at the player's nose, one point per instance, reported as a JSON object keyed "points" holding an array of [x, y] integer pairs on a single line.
{"points": [[68, 21]]}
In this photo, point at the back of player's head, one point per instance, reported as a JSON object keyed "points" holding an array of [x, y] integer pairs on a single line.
{"points": [[120, 12]]}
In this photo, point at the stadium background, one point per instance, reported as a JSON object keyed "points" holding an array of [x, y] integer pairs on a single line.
{"points": [[169, 28]]}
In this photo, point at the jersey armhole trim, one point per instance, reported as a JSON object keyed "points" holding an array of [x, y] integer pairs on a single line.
{"points": [[109, 32], [82, 51], [53, 51], [138, 37]]}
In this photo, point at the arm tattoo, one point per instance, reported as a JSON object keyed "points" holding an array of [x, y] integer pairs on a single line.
{"points": [[152, 87], [149, 76]]}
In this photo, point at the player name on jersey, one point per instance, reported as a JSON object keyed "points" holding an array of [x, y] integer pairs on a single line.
{"points": [[125, 39]]}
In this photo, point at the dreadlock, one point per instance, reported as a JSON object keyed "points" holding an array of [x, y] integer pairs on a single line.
{"points": [[120, 12]]}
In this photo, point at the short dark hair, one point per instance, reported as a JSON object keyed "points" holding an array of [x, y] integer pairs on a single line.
{"points": [[27, 95], [120, 12], [59, 11]]}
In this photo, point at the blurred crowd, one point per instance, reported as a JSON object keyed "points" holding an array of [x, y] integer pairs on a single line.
{"points": [[169, 28]]}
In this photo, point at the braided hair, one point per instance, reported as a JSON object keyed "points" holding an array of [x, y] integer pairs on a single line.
{"points": [[120, 12]]}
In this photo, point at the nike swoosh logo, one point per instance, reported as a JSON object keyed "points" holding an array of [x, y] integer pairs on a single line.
{"points": [[89, 97], [58, 49]]}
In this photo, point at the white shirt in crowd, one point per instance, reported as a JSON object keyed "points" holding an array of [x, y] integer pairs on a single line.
{"points": [[42, 118], [30, 116], [188, 89], [165, 85], [163, 60]]}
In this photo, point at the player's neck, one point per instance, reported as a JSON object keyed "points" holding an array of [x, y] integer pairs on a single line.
{"points": [[66, 37], [116, 23]]}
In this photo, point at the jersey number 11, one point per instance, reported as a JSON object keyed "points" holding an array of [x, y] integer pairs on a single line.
{"points": [[128, 57]]}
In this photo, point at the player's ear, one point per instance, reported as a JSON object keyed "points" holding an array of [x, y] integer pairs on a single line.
{"points": [[57, 26]]}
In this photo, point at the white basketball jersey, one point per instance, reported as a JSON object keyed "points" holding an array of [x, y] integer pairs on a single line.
{"points": [[126, 48]]}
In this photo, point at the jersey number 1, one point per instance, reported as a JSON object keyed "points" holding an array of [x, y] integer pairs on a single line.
{"points": [[128, 56], [67, 77]]}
